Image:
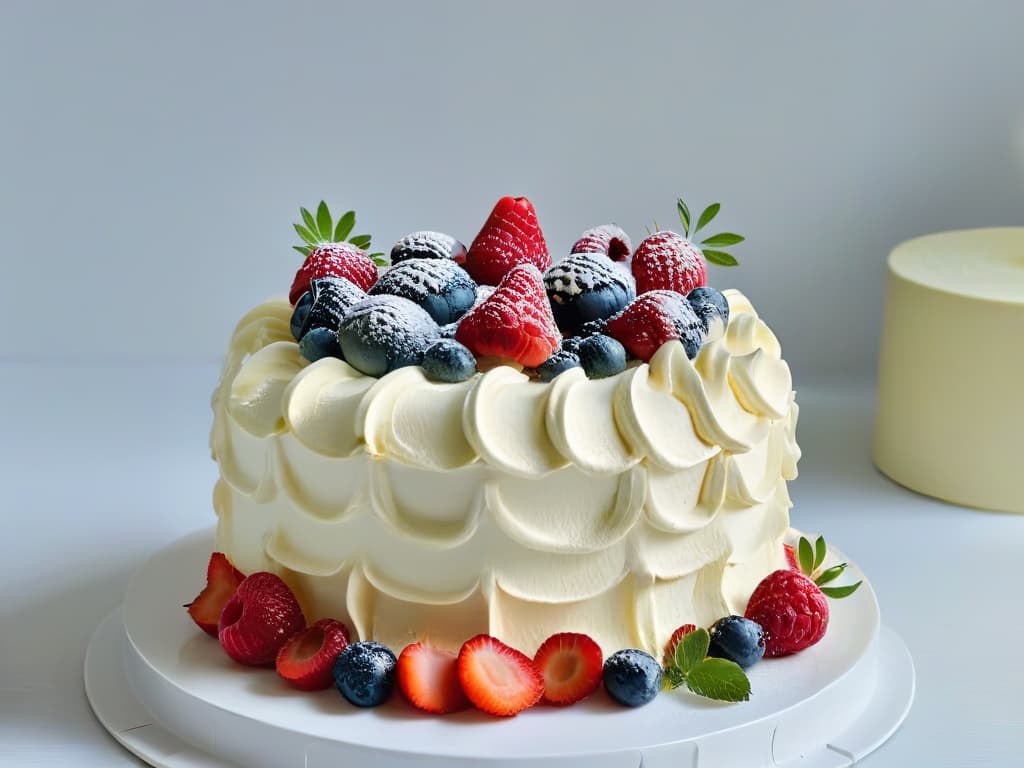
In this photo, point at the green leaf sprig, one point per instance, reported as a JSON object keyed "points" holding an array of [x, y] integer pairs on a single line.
{"points": [[710, 245], [718, 679], [810, 558], [319, 229]]}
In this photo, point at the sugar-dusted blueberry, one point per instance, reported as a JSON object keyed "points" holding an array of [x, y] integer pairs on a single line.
{"points": [[300, 313], [632, 677], [428, 245], [593, 327], [382, 333], [443, 288], [571, 344], [319, 342], [332, 296], [364, 673], [559, 362], [584, 287], [601, 356], [713, 310], [737, 639], [447, 360]]}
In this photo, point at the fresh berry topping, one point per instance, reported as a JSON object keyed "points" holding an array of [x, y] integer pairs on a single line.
{"points": [[585, 287], [447, 360], [429, 679], [300, 313], [258, 619], [632, 677], [602, 356], [332, 297], [440, 286], [666, 261], [510, 236], [364, 673], [307, 660], [321, 229], [571, 665], [483, 293], [593, 328], [334, 260], [713, 310], [737, 639], [319, 343], [382, 333], [515, 322], [428, 245], [498, 679], [654, 318], [713, 678], [673, 642], [222, 579], [608, 239], [559, 362], [571, 344]]}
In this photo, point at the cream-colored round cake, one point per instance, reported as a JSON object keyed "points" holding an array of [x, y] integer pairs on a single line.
{"points": [[415, 510]]}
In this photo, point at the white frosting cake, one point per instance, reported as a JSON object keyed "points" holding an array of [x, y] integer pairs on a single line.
{"points": [[619, 507]]}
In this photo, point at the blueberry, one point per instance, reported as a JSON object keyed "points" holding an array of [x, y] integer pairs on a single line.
{"points": [[300, 313], [428, 245], [448, 331], [443, 288], [584, 287], [689, 326], [571, 344], [364, 673], [332, 296], [448, 360], [559, 362], [713, 310], [602, 356], [593, 327], [319, 342], [737, 639], [382, 333], [632, 677]]}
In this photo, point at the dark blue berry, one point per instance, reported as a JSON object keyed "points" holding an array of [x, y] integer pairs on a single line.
{"points": [[571, 344], [332, 296], [319, 342], [558, 363], [713, 310], [737, 639], [300, 313], [448, 331], [364, 673], [448, 360], [602, 356], [584, 287], [690, 328], [593, 327], [382, 333], [428, 245], [443, 288], [632, 677]]}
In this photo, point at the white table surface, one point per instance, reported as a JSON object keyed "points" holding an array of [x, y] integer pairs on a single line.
{"points": [[101, 467]]}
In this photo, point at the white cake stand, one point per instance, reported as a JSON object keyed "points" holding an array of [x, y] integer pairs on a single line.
{"points": [[169, 694]]}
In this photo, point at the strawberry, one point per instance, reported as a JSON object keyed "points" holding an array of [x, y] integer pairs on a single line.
{"points": [[514, 322], [670, 646], [654, 318], [608, 239], [260, 617], [498, 680], [510, 236], [790, 604], [307, 660], [429, 679], [334, 260], [222, 578], [571, 666], [668, 262]]}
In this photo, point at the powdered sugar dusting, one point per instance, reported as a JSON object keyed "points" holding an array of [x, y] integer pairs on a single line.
{"points": [[607, 239], [385, 332], [428, 244]]}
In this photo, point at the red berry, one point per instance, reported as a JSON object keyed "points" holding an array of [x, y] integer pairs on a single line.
{"points": [[669, 262], [222, 579], [654, 318], [510, 236], [260, 617], [307, 660], [670, 646], [792, 611], [429, 679], [608, 239], [571, 665], [498, 679], [334, 260], [514, 322]]}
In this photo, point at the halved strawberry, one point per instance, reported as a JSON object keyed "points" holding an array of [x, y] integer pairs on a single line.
{"points": [[670, 646], [571, 665], [222, 579], [429, 679], [498, 679], [307, 660], [510, 236]]}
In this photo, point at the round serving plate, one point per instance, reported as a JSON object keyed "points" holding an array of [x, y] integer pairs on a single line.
{"points": [[169, 694]]}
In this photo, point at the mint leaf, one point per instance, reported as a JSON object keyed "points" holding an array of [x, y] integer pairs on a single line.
{"points": [[820, 550], [379, 260], [345, 224], [304, 251], [361, 241], [839, 592], [306, 235], [705, 218], [721, 258], [806, 556], [724, 238], [719, 679], [308, 218], [323, 222], [684, 215], [691, 649], [673, 678], [830, 574]]}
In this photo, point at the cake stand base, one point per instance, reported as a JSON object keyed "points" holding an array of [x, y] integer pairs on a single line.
{"points": [[169, 695]]}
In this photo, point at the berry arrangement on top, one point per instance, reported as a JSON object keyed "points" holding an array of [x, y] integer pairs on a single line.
{"points": [[455, 310], [259, 623]]}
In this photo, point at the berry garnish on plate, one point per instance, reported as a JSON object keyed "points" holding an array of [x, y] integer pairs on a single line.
{"points": [[791, 605], [510, 236], [601, 356], [383, 333], [713, 310], [258, 619], [448, 360], [428, 245], [713, 678], [609, 239], [632, 677], [738, 639], [559, 362], [571, 665], [307, 660], [498, 679], [584, 287], [364, 673], [654, 318], [673, 642], [429, 679], [514, 322], [222, 579], [440, 286]]}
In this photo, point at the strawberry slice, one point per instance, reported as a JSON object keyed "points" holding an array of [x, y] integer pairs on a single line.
{"points": [[510, 236], [498, 679], [429, 679], [259, 619], [334, 260], [222, 579], [571, 665], [670, 646], [514, 322], [307, 660]]}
